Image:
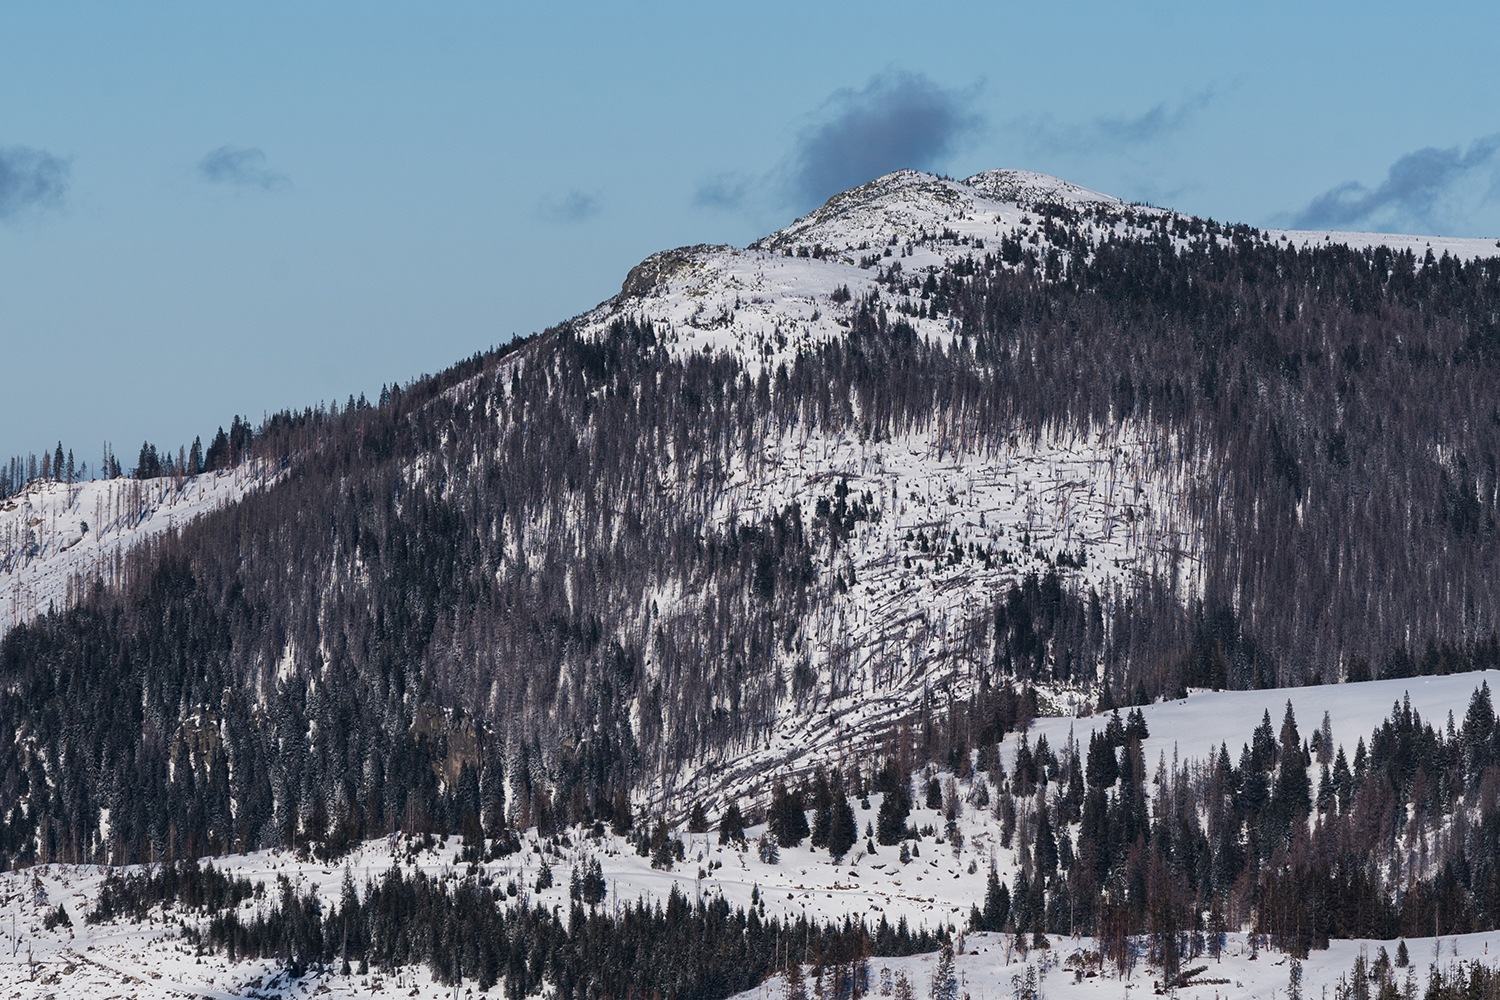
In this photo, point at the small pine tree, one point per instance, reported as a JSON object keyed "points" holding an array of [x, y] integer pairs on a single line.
{"points": [[593, 886], [1217, 930], [796, 985], [787, 819], [895, 807], [621, 821], [732, 826], [662, 852], [944, 980], [843, 831], [1046, 846], [996, 901], [697, 820]]}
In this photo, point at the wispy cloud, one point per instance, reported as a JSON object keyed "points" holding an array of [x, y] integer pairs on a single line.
{"points": [[241, 167], [723, 191], [898, 119], [31, 179], [575, 206], [1417, 187], [1113, 133]]}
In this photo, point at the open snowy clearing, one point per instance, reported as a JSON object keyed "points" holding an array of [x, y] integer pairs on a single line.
{"points": [[989, 967], [57, 537], [1194, 727]]}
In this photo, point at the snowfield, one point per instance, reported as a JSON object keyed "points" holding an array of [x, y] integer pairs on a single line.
{"points": [[56, 538], [989, 968], [1195, 727], [905, 621], [936, 888]]}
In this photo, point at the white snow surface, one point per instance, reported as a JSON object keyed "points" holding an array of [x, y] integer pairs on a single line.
{"points": [[1462, 247], [989, 967], [1196, 726], [936, 888], [57, 538]]}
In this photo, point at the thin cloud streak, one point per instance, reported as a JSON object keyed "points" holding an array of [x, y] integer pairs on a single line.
{"points": [[575, 206], [1113, 133], [725, 191], [1415, 187]]}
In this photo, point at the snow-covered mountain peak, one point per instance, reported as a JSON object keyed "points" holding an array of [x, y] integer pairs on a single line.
{"points": [[1028, 188], [915, 209], [801, 285]]}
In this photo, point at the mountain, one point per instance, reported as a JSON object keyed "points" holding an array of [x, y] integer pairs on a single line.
{"points": [[893, 507], [937, 457]]}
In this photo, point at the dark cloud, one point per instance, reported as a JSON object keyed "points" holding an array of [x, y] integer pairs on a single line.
{"points": [[31, 178], [575, 206], [1415, 188], [897, 120], [1111, 134], [241, 168]]}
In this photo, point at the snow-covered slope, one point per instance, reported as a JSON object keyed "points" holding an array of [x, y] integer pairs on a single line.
{"points": [[935, 888], [784, 291], [949, 529], [1196, 726], [56, 538]]}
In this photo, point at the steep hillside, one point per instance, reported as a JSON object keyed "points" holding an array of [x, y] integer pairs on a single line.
{"points": [[938, 457]]}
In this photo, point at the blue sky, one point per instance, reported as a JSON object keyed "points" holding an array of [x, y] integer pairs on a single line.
{"points": [[209, 209]]}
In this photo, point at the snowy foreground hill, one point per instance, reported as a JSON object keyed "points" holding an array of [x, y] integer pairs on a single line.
{"points": [[937, 887]]}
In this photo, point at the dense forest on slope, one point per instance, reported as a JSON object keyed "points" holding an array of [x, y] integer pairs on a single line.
{"points": [[494, 597], [1396, 839]]}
